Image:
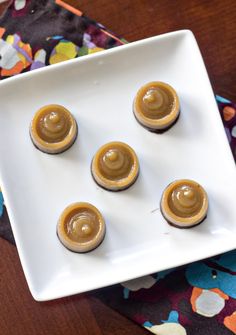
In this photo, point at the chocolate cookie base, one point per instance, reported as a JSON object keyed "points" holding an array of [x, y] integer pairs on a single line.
{"points": [[181, 227], [157, 131], [108, 189], [55, 153], [81, 252]]}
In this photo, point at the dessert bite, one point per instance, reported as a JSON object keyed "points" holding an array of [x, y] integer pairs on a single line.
{"points": [[81, 227], [115, 166], [53, 129], [156, 106], [184, 203]]}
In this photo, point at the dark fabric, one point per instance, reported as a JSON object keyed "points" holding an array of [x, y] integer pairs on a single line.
{"points": [[195, 299], [5, 227], [44, 33]]}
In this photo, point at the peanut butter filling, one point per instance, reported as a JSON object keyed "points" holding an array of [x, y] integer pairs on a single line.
{"points": [[53, 129], [156, 105], [81, 227], [115, 166], [184, 203]]}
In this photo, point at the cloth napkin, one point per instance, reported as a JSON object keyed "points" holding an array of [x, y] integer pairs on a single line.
{"points": [[199, 298]]}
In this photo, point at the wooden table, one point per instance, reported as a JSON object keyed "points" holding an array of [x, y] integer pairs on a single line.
{"points": [[214, 25]]}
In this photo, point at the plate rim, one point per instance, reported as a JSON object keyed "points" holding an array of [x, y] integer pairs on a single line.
{"points": [[41, 296]]}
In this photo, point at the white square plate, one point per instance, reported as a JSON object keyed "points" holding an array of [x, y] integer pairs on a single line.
{"points": [[99, 91]]}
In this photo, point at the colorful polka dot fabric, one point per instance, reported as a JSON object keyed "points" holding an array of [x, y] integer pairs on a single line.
{"points": [[25, 46], [199, 298]]}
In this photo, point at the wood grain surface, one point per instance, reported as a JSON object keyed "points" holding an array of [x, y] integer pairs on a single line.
{"points": [[214, 25]]}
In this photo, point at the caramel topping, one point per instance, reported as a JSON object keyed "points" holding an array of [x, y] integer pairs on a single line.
{"points": [[82, 225], [115, 162], [153, 100], [156, 102], [53, 129], [186, 200], [113, 159], [53, 125]]}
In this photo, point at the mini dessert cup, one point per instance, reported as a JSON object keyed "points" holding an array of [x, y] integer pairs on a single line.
{"points": [[81, 227], [184, 203], [115, 166], [53, 129], [156, 106]]}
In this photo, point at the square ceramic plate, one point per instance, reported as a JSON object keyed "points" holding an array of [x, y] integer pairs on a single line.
{"points": [[99, 91]]}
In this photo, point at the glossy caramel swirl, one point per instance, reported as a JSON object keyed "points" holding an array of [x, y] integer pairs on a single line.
{"points": [[53, 126], [82, 226], [155, 101], [185, 200], [115, 162]]}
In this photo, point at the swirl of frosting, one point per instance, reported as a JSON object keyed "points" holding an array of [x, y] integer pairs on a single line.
{"points": [[54, 126], [82, 226], [157, 102], [185, 201], [115, 163]]}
